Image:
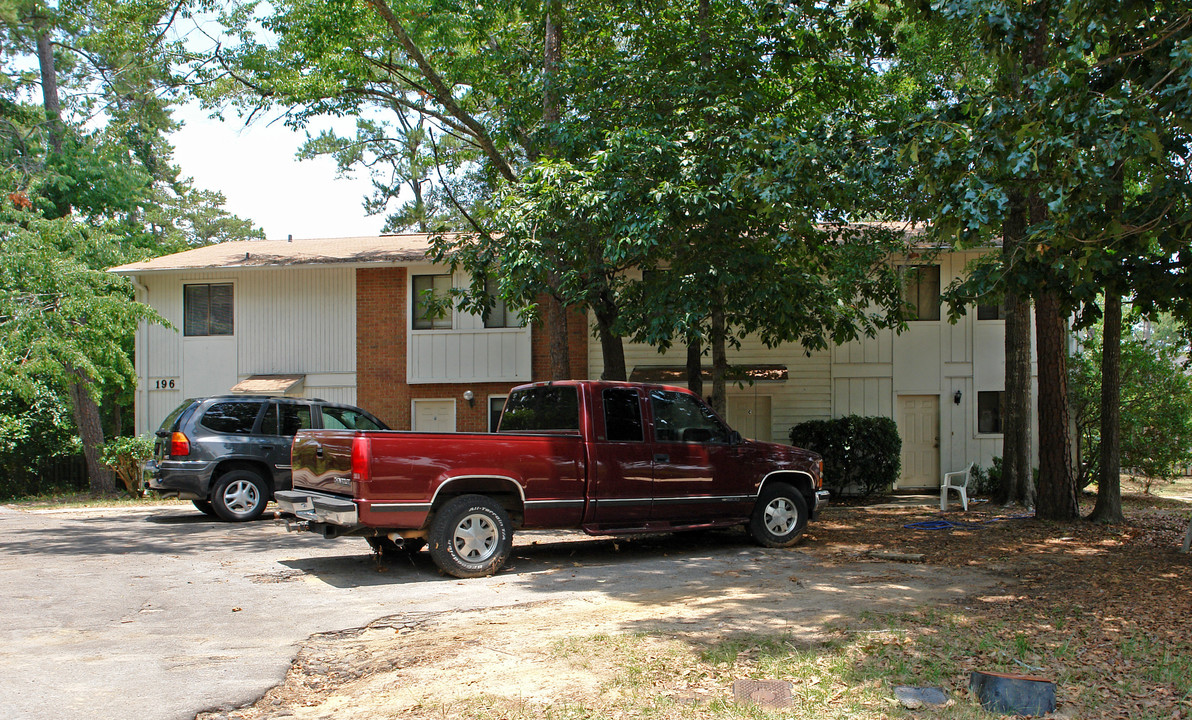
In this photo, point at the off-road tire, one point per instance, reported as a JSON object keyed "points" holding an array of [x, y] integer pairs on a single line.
{"points": [[471, 536], [240, 496], [779, 517]]}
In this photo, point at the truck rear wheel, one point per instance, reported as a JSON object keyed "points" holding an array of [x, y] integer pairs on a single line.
{"points": [[778, 517], [471, 536]]}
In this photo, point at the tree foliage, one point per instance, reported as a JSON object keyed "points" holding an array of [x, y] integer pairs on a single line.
{"points": [[86, 183], [1156, 407]]}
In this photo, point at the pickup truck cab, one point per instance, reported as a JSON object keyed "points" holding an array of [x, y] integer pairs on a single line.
{"points": [[609, 458]]}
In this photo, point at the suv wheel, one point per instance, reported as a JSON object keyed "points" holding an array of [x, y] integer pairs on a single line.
{"points": [[239, 496], [204, 507]]}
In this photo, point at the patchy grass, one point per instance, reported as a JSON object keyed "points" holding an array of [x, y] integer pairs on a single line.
{"points": [[1104, 611], [83, 500]]}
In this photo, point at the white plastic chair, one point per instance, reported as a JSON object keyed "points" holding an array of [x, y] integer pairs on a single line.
{"points": [[958, 481]]}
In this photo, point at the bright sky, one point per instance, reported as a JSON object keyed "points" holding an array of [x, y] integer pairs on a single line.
{"points": [[256, 170]]}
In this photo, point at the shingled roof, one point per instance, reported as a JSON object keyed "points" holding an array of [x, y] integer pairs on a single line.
{"points": [[283, 253]]}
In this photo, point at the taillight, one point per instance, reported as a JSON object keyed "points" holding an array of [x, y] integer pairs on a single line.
{"points": [[361, 454], [821, 473], [179, 445]]}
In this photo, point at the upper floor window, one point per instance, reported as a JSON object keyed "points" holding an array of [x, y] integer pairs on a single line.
{"points": [[431, 302], [991, 311], [207, 309], [921, 290], [499, 315]]}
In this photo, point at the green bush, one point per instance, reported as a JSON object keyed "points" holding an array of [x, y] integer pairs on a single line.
{"points": [[862, 455], [125, 455], [988, 481]]}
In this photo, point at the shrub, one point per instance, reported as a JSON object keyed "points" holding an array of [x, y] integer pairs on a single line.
{"points": [[125, 455], [862, 455], [988, 482]]}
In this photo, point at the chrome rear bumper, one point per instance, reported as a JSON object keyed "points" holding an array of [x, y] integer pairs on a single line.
{"points": [[318, 507]]}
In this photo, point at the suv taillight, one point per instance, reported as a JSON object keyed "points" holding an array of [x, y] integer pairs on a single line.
{"points": [[179, 445], [361, 454]]}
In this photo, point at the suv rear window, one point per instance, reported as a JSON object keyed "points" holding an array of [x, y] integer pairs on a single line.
{"points": [[233, 418], [170, 424], [542, 408]]}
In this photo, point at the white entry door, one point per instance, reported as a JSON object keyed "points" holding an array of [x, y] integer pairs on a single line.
{"points": [[750, 416], [434, 415], [919, 426]]}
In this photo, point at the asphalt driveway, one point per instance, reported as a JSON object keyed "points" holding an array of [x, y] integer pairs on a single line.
{"points": [[163, 613]]}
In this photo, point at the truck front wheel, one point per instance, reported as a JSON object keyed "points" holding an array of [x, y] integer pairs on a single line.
{"points": [[471, 536], [778, 517]]}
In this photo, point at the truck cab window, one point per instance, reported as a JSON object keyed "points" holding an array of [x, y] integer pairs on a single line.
{"points": [[622, 415], [542, 408], [679, 417]]}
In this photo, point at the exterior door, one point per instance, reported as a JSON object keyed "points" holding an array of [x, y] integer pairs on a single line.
{"points": [[750, 416], [919, 426], [434, 415], [622, 463]]}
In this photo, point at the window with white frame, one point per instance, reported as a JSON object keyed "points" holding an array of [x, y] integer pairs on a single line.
{"points": [[431, 302], [989, 411], [495, 405], [991, 311], [207, 309], [921, 290], [499, 315]]}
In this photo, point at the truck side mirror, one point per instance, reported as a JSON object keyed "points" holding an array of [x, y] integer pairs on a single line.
{"points": [[735, 438]]}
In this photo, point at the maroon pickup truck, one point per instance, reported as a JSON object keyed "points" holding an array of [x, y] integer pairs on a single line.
{"points": [[607, 458]]}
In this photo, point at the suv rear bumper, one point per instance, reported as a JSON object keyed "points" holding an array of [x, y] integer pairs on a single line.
{"points": [[318, 507], [176, 478]]}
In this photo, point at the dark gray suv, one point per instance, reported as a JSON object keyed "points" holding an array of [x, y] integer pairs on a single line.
{"points": [[229, 454]]}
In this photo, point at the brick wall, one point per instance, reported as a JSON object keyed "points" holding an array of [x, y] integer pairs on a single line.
{"points": [[381, 388], [380, 344]]}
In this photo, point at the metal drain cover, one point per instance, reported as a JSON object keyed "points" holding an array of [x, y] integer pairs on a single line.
{"points": [[766, 693]]}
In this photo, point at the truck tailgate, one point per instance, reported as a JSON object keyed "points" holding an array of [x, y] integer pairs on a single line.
{"points": [[322, 460]]}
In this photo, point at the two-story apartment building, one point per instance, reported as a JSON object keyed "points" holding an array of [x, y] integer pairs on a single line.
{"points": [[346, 320]]}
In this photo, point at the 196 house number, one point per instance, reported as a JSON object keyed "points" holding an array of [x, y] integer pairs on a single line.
{"points": [[164, 383]]}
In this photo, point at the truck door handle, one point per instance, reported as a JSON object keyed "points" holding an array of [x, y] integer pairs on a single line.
{"points": [[661, 458], [318, 450]]}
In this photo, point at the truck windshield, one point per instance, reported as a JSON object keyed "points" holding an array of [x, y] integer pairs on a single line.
{"points": [[540, 409]]}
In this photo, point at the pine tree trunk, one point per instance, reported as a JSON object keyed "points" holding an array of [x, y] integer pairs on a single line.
{"points": [[1109, 485], [90, 425], [555, 316], [611, 347], [719, 355], [1057, 481], [1018, 484], [695, 365]]}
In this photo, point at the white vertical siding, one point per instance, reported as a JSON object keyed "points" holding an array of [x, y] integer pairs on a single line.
{"points": [[865, 377], [287, 321], [468, 352]]}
